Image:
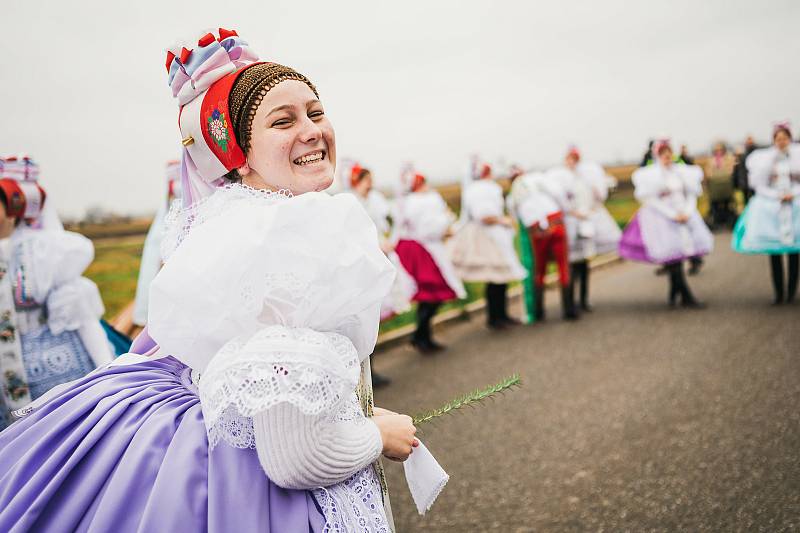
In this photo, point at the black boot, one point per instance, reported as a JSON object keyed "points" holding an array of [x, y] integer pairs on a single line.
{"points": [[422, 339], [503, 307], [538, 311], [696, 263], [674, 282], [794, 265], [776, 266], [568, 303], [585, 287], [494, 306], [687, 298]]}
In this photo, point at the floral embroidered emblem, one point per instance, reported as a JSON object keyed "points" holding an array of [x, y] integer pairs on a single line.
{"points": [[218, 129], [7, 329], [15, 386]]}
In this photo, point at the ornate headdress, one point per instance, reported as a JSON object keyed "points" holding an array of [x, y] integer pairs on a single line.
{"points": [[349, 173], [219, 84], [23, 200], [25, 172], [782, 126], [572, 150], [20, 168], [659, 145]]}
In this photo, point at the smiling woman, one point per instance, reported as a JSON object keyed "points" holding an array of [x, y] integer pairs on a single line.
{"points": [[246, 404]]}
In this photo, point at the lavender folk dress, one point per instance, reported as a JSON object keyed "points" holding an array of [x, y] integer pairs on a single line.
{"points": [[148, 443]]}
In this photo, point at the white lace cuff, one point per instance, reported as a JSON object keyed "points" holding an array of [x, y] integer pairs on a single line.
{"points": [[311, 371]]}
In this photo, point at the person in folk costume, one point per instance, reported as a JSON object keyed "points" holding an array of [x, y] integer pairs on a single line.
{"points": [[25, 170], [357, 180], [535, 201], [650, 158], [49, 316], [770, 224], [667, 229], [482, 249], [246, 403], [590, 228], [151, 254], [422, 222]]}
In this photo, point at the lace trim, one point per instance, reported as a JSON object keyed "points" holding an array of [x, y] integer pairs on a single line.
{"points": [[316, 372], [180, 221], [356, 504]]}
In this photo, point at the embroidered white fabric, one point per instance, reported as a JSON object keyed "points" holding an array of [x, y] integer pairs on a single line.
{"points": [[180, 221], [356, 504], [309, 261], [315, 372]]}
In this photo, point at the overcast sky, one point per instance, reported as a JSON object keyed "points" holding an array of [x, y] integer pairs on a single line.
{"points": [[84, 86]]}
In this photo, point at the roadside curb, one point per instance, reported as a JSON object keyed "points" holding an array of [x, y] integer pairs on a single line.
{"points": [[403, 334]]}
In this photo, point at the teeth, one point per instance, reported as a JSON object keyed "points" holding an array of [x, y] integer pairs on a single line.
{"points": [[310, 158]]}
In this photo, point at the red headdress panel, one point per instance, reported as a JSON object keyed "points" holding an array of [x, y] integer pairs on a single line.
{"points": [[14, 198], [201, 78]]}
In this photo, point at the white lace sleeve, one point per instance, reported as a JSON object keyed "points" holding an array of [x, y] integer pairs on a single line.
{"points": [[283, 392]]}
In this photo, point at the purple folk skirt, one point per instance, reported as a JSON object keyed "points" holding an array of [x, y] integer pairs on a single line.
{"points": [[124, 449], [651, 237]]}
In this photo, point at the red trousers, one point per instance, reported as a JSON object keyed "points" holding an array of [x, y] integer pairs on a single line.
{"points": [[550, 245]]}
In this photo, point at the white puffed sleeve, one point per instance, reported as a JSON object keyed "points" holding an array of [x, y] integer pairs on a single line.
{"points": [[555, 182], [760, 165], [648, 186], [297, 385], [276, 306], [597, 178], [50, 258], [692, 176], [483, 199], [429, 216], [378, 210]]}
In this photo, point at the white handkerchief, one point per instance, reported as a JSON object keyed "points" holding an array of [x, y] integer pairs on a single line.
{"points": [[425, 477]]}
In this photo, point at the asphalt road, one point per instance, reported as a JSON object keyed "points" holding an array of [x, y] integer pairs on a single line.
{"points": [[636, 418]]}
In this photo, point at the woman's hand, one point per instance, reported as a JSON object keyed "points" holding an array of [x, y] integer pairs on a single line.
{"points": [[380, 411], [681, 218], [397, 434], [787, 197]]}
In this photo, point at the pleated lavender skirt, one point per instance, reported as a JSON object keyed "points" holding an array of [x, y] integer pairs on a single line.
{"points": [[651, 237], [124, 449]]}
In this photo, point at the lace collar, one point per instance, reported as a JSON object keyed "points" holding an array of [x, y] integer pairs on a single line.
{"points": [[180, 221]]}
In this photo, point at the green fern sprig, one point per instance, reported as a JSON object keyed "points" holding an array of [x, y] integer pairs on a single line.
{"points": [[468, 400]]}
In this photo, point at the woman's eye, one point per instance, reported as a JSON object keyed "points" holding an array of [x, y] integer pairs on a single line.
{"points": [[316, 114], [281, 122]]}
